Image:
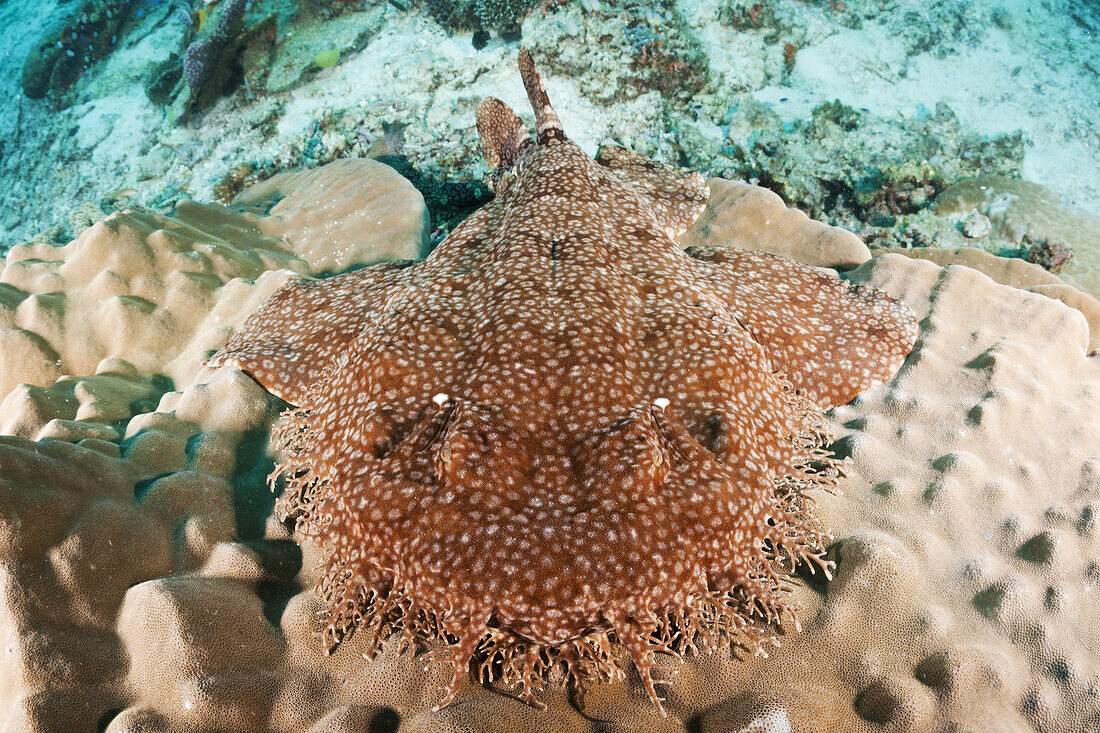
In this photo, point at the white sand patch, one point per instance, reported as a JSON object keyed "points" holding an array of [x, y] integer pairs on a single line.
{"points": [[1000, 85], [1032, 75]]}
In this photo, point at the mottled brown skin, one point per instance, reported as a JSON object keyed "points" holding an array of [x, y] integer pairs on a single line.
{"points": [[560, 431]]}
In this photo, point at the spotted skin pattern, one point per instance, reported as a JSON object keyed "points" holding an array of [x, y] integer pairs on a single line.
{"points": [[560, 431]]}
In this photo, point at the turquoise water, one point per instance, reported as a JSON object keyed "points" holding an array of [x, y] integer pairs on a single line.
{"points": [[857, 111]]}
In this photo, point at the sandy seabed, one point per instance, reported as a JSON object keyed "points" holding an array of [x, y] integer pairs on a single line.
{"points": [[1001, 67]]}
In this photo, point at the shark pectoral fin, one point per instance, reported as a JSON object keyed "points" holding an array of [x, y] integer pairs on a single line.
{"points": [[832, 340], [676, 197], [290, 342]]}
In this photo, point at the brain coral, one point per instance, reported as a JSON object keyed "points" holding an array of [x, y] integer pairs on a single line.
{"points": [[139, 286], [1019, 274], [559, 430]]}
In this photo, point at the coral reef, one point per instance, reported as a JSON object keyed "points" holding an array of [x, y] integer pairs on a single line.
{"points": [[138, 285], [679, 79], [162, 80], [371, 210], [146, 586], [234, 182], [215, 62], [448, 202], [1029, 220], [294, 58], [202, 57], [164, 600], [1052, 256], [745, 15], [502, 16], [647, 49], [833, 113], [258, 56], [1019, 274], [794, 234], [943, 28], [853, 169]]}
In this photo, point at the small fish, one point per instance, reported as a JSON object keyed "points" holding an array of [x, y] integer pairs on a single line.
{"points": [[145, 5]]}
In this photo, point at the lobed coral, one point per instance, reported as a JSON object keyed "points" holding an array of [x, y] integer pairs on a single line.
{"points": [[138, 284], [148, 592], [793, 233], [1028, 217], [1019, 274]]}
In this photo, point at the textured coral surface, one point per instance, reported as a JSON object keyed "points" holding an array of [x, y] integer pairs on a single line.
{"points": [[1019, 274], [1021, 212], [144, 287]]}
